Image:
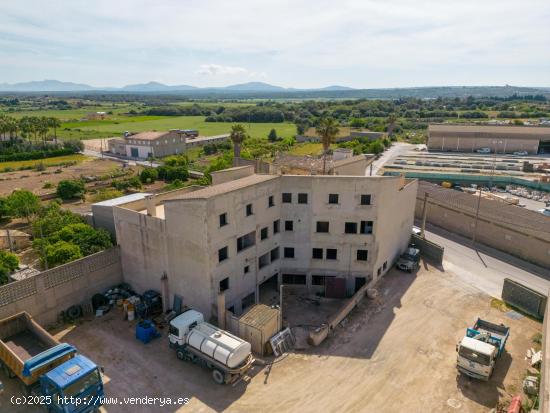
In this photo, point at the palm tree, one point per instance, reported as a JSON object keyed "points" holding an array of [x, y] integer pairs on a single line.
{"points": [[13, 128], [26, 127], [4, 128], [237, 136], [43, 127], [327, 130], [54, 123]]}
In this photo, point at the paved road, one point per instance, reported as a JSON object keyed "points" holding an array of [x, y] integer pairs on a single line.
{"points": [[396, 150], [484, 271]]}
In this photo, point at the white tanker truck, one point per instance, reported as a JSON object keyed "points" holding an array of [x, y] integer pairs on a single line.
{"points": [[229, 357]]}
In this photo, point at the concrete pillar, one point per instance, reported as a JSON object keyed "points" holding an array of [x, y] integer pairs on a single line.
{"points": [[165, 293], [221, 310], [151, 207]]}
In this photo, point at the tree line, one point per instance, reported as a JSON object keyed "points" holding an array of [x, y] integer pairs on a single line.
{"points": [[28, 127]]}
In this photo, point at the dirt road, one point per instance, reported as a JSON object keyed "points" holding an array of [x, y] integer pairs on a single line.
{"points": [[394, 354]]}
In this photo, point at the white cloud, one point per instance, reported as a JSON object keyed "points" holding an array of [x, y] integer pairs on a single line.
{"points": [[227, 71], [219, 70]]}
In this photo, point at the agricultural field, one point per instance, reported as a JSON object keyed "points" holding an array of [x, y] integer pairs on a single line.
{"points": [[116, 125]]}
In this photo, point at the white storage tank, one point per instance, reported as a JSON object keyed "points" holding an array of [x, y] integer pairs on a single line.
{"points": [[218, 344]]}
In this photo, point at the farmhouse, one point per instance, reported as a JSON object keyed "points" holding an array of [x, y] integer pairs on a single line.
{"points": [[158, 144]]}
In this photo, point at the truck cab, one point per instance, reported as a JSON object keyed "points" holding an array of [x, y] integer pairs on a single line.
{"points": [[180, 326], [74, 386], [475, 358], [480, 348]]}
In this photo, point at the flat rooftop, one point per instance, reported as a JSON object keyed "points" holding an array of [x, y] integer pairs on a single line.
{"points": [[508, 130], [159, 208], [226, 187]]}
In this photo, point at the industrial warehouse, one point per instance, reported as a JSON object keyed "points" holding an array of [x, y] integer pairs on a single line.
{"points": [[491, 139]]}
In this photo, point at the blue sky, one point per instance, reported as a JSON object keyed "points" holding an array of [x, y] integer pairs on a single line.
{"points": [[357, 43]]}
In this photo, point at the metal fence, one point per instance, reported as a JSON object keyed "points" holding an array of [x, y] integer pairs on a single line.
{"points": [[428, 249], [524, 298]]}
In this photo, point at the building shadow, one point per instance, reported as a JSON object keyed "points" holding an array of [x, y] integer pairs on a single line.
{"points": [[486, 393], [360, 333]]}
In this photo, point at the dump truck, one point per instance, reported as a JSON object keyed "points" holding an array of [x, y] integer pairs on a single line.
{"points": [[64, 381], [479, 349], [229, 357]]}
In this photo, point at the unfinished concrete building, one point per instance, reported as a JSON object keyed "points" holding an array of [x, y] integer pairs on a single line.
{"points": [[248, 233]]}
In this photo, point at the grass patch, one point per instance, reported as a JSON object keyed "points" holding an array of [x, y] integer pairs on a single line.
{"points": [[308, 148], [55, 161], [502, 306], [499, 305]]}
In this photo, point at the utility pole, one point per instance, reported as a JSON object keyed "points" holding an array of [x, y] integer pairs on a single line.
{"points": [[43, 251], [424, 215], [477, 216]]}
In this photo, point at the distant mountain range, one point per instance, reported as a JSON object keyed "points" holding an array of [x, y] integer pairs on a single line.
{"points": [[260, 90], [58, 86]]}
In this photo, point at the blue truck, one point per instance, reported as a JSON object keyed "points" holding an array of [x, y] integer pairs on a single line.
{"points": [[63, 380], [480, 348]]}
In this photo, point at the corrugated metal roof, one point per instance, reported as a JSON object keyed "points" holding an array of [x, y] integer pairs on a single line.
{"points": [[520, 131], [123, 199], [506, 214], [226, 187]]}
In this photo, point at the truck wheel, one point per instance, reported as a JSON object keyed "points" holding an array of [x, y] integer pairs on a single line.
{"points": [[7, 371], [180, 354], [218, 376]]}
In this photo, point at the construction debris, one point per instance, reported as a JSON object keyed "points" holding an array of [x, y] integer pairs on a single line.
{"points": [[531, 385], [536, 359], [282, 342]]}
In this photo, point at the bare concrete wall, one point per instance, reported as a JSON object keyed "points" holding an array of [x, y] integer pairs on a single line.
{"points": [[544, 392], [354, 166], [45, 295], [491, 232], [226, 175]]}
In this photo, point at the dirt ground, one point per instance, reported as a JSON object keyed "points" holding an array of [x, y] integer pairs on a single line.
{"points": [[34, 180], [392, 354]]}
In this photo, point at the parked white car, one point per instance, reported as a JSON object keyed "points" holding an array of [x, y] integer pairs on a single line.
{"points": [[545, 211], [521, 153], [416, 230], [484, 150]]}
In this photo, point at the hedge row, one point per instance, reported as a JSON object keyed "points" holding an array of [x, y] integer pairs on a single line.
{"points": [[28, 156]]}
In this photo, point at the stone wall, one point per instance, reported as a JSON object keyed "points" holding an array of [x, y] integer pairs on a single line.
{"points": [[45, 295]]}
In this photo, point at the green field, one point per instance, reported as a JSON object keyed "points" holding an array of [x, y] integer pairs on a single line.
{"points": [[116, 125]]}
